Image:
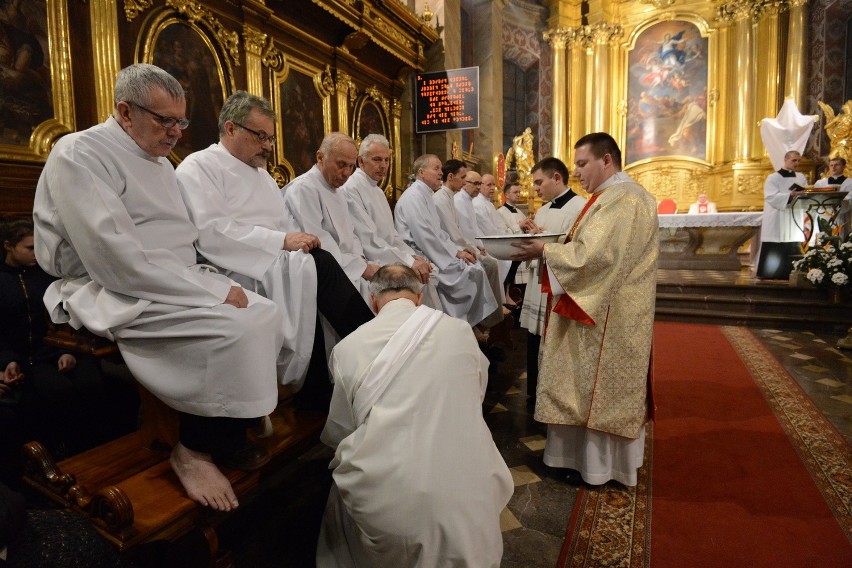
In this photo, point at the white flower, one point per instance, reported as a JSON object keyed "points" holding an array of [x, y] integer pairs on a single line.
{"points": [[815, 275], [830, 250], [846, 246], [834, 262], [839, 279]]}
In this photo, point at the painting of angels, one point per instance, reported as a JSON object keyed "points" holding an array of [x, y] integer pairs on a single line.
{"points": [[667, 93]]}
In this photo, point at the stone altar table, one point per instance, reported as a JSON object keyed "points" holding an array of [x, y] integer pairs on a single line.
{"points": [[706, 241]]}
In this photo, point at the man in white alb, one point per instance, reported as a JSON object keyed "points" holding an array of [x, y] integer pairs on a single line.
{"points": [[838, 178], [550, 178], [244, 229], [462, 283], [318, 205], [373, 220], [454, 173], [510, 213], [781, 222], [411, 487], [111, 224], [465, 214]]}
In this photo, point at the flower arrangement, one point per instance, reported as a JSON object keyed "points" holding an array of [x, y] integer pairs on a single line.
{"points": [[829, 262]]}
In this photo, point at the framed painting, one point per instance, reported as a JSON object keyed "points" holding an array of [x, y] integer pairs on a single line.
{"points": [[302, 101], [187, 52], [667, 93], [36, 94], [369, 118]]}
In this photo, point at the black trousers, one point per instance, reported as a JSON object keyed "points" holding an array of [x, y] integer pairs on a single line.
{"points": [[344, 308], [533, 345], [214, 434]]}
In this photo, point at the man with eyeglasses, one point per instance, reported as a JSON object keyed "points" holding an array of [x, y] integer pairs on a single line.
{"points": [[317, 202], [244, 228], [111, 224]]}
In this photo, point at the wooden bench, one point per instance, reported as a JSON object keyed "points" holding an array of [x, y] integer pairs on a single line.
{"points": [[127, 488]]}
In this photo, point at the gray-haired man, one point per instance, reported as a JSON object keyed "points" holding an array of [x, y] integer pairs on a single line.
{"points": [[110, 223]]}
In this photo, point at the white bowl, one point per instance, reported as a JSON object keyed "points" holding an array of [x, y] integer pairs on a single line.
{"points": [[500, 246]]}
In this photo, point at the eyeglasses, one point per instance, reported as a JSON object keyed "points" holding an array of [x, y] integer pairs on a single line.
{"points": [[165, 121], [474, 183], [262, 137]]}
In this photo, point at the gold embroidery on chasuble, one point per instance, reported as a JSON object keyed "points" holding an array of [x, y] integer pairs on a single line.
{"points": [[595, 376]]}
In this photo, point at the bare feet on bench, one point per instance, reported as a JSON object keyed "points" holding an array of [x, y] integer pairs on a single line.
{"points": [[202, 480]]}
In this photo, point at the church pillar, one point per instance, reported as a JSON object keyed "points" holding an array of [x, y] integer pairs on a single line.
{"points": [[577, 123], [104, 18], [794, 76], [744, 115], [604, 62], [487, 18], [254, 42], [558, 39], [768, 49]]}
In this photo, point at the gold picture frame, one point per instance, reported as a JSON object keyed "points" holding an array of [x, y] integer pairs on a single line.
{"points": [[193, 55], [301, 96], [41, 106]]}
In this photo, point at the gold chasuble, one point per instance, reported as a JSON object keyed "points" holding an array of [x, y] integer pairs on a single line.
{"points": [[595, 369]]}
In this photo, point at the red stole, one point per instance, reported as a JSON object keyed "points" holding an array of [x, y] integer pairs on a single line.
{"points": [[566, 306], [702, 208]]}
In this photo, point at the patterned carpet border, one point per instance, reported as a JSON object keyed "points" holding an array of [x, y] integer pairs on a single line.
{"points": [[824, 452], [613, 522]]}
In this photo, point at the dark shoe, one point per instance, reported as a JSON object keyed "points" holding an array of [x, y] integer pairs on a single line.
{"points": [[502, 333], [248, 458]]}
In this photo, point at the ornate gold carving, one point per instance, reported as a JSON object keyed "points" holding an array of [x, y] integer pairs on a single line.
{"points": [[253, 39], [559, 37], [838, 128], [344, 84], [326, 81], [659, 3], [750, 184], [713, 97], [195, 12], [622, 108], [392, 32], [133, 8], [726, 186], [737, 10], [603, 33]]}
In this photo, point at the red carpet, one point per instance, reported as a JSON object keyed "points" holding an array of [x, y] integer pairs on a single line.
{"points": [[741, 470], [729, 488]]}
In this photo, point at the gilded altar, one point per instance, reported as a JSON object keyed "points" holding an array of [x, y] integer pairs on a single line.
{"points": [[682, 86]]}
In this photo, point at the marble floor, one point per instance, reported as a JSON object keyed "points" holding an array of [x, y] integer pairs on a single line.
{"points": [[281, 530]]}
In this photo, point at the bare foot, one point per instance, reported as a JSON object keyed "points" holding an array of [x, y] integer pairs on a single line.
{"points": [[202, 480]]}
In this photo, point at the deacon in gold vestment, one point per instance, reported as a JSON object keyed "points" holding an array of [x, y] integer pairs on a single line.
{"points": [[593, 385]]}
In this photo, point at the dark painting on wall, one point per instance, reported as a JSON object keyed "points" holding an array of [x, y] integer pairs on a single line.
{"points": [[370, 121], [182, 51], [301, 120], [26, 98], [667, 93]]}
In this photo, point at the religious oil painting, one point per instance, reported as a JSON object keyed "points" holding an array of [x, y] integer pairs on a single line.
{"points": [[188, 55], [667, 93], [26, 98], [301, 120], [370, 120]]}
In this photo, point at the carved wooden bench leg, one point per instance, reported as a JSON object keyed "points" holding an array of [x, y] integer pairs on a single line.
{"points": [[41, 471]]}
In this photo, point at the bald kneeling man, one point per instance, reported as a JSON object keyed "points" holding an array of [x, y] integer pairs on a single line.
{"points": [[408, 489]]}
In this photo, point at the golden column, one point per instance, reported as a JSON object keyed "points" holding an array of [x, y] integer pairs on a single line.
{"points": [[603, 35], [558, 38], [579, 43], [744, 95], [104, 18], [768, 49], [794, 76], [254, 41]]}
